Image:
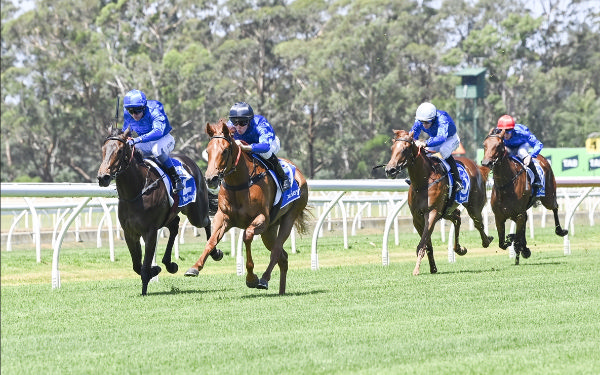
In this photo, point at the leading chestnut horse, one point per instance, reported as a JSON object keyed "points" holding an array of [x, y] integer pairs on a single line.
{"points": [[246, 200], [428, 195], [512, 193], [144, 205]]}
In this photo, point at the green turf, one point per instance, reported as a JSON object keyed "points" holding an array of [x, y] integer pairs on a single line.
{"points": [[480, 315]]}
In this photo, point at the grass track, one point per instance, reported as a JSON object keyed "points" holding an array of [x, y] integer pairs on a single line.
{"points": [[480, 315]]}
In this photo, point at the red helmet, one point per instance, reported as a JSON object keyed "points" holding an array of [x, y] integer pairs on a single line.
{"points": [[506, 122]]}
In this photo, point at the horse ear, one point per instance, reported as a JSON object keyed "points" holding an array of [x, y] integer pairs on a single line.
{"points": [[492, 131], [209, 130], [411, 134], [127, 132]]}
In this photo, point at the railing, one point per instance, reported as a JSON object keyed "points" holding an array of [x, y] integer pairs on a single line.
{"points": [[88, 191]]}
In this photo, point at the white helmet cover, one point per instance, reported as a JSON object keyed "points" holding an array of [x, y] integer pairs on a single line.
{"points": [[426, 112]]}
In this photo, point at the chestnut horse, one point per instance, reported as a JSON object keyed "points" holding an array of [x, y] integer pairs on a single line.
{"points": [[144, 205], [512, 193], [428, 195], [246, 199]]}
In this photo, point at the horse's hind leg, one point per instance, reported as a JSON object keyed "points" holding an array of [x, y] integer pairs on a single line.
{"points": [[429, 250], [455, 218], [274, 241], [173, 227], [557, 228], [477, 218]]}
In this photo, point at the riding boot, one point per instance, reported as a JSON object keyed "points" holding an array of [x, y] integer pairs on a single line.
{"points": [[175, 179], [455, 175], [281, 176], [537, 182]]}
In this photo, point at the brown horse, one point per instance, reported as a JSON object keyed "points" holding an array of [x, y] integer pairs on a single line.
{"points": [[246, 199], [512, 193], [144, 205], [428, 195]]}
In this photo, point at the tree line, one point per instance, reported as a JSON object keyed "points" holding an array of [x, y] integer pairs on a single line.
{"points": [[333, 77]]}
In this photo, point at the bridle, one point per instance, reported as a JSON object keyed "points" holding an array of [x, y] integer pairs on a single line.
{"points": [[412, 158], [124, 163], [501, 152], [224, 173]]}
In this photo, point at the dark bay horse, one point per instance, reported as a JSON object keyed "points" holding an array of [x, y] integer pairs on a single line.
{"points": [[428, 195], [512, 193], [246, 199], [144, 205]]}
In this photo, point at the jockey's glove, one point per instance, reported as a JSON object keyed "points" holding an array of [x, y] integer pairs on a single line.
{"points": [[420, 143]]}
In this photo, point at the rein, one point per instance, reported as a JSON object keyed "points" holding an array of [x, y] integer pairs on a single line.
{"points": [[413, 158], [253, 178], [127, 164]]}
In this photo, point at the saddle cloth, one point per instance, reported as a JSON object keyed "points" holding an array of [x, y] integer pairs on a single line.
{"points": [[290, 194], [463, 195], [188, 194], [542, 190]]}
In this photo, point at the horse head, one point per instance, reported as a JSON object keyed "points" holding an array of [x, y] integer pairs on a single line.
{"points": [[403, 152], [223, 153], [116, 156], [493, 148]]}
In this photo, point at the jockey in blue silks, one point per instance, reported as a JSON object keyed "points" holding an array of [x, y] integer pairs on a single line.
{"points": [[149, 120], [259, 137], [443, 137], [517, 140]]}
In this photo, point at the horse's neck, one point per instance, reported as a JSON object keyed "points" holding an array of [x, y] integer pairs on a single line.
{"points": [[132, 180], [241, 173], [420, 170], [505, 170]]}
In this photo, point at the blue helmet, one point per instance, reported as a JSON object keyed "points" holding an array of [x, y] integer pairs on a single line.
{"points": [[134, 98], [241, 110]]}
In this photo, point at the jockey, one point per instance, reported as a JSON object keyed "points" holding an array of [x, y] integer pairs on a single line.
{"points": [[517, 140], [443, 137], [149, 120], [259, 136]]}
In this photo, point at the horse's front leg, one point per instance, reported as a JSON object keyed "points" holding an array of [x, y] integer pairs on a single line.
{"points": [[148, 270], [557, 228], [173, 227], [256, 227], [221, 226], [432, 266], [429, 223], [520, 242], [501, 227], [135, 250]]}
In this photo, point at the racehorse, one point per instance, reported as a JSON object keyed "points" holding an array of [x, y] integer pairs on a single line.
{"points": [[428, 195], [144, 206], [512, 193], [246, 200]]}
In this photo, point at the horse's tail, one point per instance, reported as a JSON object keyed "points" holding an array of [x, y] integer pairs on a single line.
{"points": [[213, 203], [302, 220]]}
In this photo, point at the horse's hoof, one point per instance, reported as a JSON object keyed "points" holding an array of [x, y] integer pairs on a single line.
{"points": [[252, 283], [433, 270], [262, 284], [461, 251], [154, 271], [487, 243], [561, 232], [172, 267], [216, 254], [526, 253], [191, 272]]}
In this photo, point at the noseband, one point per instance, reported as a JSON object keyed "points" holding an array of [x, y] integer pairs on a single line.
{"points": [[123, 162]]}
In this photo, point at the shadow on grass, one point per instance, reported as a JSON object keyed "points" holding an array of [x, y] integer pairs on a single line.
{"points": [[270, 295]]}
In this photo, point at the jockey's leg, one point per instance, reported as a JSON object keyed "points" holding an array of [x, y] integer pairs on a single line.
{"points": [[455, 175], [170, 169], [537, 182], [281, 176]]}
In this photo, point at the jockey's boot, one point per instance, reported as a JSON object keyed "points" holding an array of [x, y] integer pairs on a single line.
{"points": [[175, 180], [455, 175], [281, 176], [537, 183]]}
